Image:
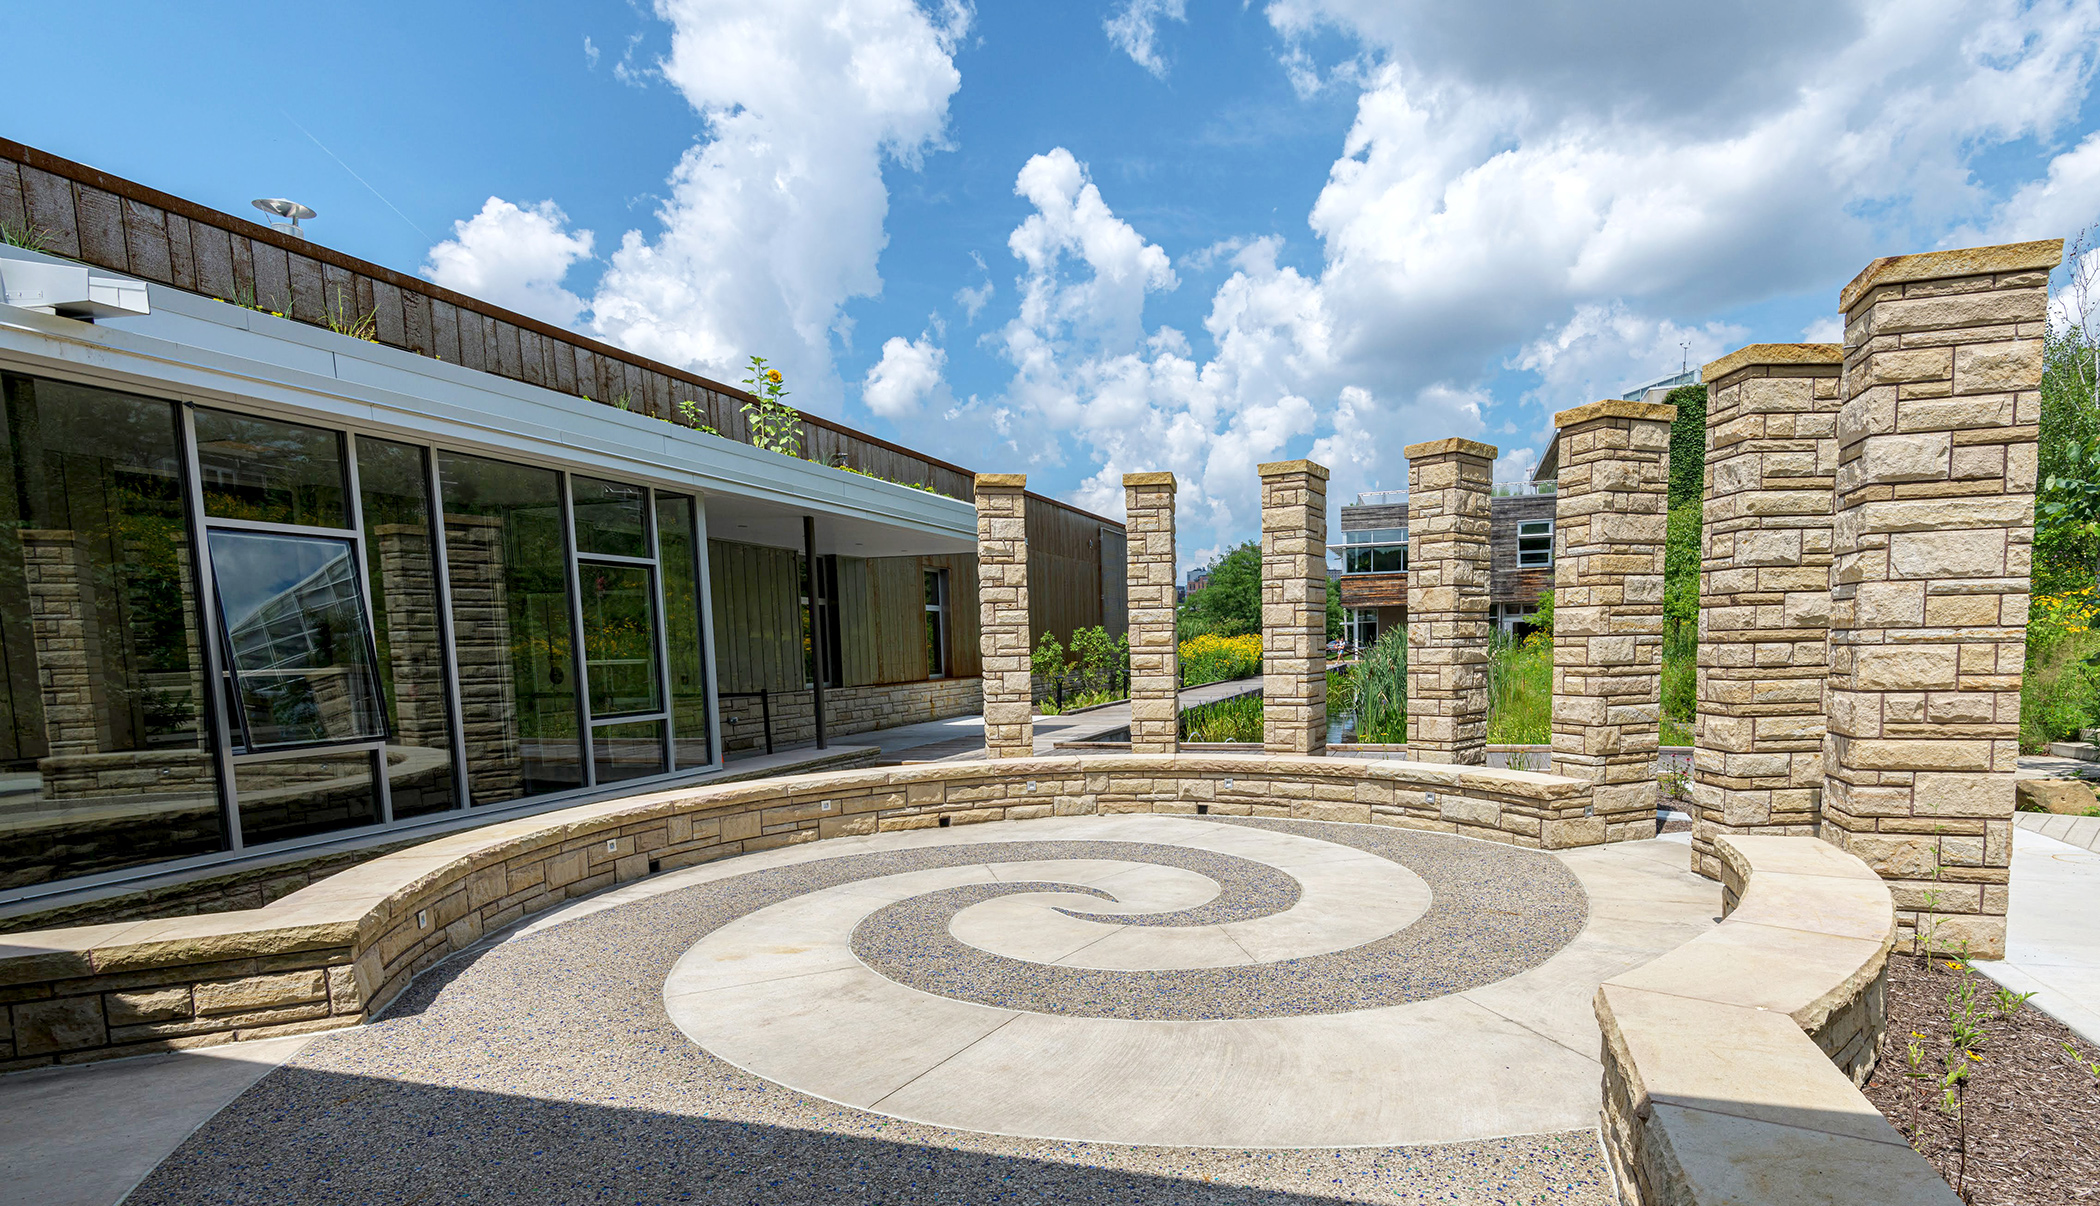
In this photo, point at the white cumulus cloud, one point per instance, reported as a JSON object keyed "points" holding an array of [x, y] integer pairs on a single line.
{"points": [[908, 374], [514, 257]]}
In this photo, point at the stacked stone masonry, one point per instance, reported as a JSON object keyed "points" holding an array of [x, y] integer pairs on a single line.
{"points": [[1002, 603], [1795, 977], [1610, 523], [1294, 607], [1764, 594], [1929, 587], [1155, 655], [1449, 483], [369, 929]]}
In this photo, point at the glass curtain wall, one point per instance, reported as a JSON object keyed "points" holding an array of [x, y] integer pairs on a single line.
{"points": [[401, 559], [512, 629], [295, 637], [105, 760], [387, 631]]}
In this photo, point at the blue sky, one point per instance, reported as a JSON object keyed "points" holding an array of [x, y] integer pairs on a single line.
{"points": [[1213, 233]]}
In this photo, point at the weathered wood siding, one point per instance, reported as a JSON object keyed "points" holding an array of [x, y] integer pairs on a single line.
{"points": [[1064, 569], [1373, 590], [1507, 583], [1115, 575], [757, 596]]}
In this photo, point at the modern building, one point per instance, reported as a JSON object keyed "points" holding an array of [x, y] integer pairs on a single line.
{"points": [[1370, 560], [296, 549]]}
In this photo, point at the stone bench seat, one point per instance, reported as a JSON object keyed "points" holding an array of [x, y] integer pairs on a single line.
{"points": [[1731, 1064]]}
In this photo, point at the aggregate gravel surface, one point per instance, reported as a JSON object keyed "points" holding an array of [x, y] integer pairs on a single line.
{"points": [[1467, 938], [544, 1070]]}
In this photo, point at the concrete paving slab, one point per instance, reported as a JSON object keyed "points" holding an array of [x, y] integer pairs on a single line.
{"points": [[83, 1136], [2052, 946]]}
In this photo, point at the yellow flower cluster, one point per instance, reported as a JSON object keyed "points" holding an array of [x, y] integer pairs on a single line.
{"points": [[2070, 611], [1238, 648]]}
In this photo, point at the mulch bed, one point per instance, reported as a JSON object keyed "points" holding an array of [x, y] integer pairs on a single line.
{"points": [[2033, 1115]]}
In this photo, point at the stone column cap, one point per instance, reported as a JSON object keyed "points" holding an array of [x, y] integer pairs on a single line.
{"points": [[1002, 481], [1772, 353], [1286, 468], [1149, 479], [1963, 261], [1616, 408], [1416, 452]]}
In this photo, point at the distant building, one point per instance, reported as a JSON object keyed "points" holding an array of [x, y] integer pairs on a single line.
{"points": [[1370, 560], [1197, 580]]}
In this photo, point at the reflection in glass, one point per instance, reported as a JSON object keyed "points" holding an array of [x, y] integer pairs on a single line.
{"points": [[402, 575], [284, 798], [301, 655], [619, 637], [609, 518], [270, 472], [627, 751], [104, 758], [678, 557], [511, 628]]}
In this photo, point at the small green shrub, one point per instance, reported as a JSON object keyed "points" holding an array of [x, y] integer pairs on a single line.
{"points": [[1381, 689]]}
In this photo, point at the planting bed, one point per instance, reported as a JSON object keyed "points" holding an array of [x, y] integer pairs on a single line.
{"points": [[2033, 1115]]}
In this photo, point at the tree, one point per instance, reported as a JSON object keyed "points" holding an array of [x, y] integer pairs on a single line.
{"points": [[1231, 604]]}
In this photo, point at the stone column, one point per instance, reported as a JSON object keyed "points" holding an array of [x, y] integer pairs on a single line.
{"points": [[1448, 486], [1610, 520], [1002, 609], [1929, 587], [1764, 593], [1155, 656], [1294, 607]]}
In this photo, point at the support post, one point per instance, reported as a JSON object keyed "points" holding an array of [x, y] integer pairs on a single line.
{"points": [[1929, 585], [818, 653], [1155, 655], [1764, 593], [1002, 610], [1448, 487], [1610, 522], [1294, 607]]}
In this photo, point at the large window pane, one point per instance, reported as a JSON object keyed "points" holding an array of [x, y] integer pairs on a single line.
{"points": [[619, 638], [609, 518], [105, 761], [677, 555], [269, 471], [402, 568], [511, 630], [285, 798], [627, 751], [301, 653]]}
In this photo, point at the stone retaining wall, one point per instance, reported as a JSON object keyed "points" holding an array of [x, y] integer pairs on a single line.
{"points": [[330, 954], [847, 710], [1731, 1064]]}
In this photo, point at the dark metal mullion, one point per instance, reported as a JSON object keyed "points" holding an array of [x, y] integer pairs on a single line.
{"points": [[662, 669], [362, 580], [218, 725], [448, 637], [579, 662]]}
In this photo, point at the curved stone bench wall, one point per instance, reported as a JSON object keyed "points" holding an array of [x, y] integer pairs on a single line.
{"points": [[1731, 1064], [330, 954]]}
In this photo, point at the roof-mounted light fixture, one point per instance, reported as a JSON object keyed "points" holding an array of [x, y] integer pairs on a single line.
{"points": [[291, 212]]}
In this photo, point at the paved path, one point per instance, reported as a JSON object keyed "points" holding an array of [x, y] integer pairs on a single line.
{"points": [[594, 1053], [2052, 946]]}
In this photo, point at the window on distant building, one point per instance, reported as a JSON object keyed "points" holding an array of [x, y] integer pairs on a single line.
{"points": [[1535, 543], [1375, 551]]}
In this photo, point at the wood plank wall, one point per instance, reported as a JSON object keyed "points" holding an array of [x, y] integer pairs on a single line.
{"points": [[882, 617], [1064, 569], [1510, 583]]}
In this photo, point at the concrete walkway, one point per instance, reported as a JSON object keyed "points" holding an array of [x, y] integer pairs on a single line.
{"points": [[84, 1136], [2052, 946]]}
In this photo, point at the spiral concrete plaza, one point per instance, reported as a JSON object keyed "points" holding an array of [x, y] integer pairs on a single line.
{"points": [[1127, 1008]]}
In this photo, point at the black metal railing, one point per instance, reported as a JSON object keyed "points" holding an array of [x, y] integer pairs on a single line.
{"points": [[765, 710]]}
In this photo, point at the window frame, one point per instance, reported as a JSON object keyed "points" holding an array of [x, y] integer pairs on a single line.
{"points": [[1544, 554]]}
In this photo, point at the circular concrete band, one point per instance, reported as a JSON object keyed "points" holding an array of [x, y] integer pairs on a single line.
{"points": [[897, 994]]}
